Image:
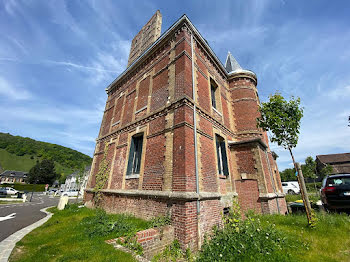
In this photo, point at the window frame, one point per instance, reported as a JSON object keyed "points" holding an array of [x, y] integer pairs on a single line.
{"points": [[213, 91], [221, 153], [135, 156]]}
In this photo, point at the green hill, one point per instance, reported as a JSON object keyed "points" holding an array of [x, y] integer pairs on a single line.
{"points": [[21, 153]]}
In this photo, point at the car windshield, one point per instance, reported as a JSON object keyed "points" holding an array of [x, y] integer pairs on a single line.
{"points": [[338, 181]]}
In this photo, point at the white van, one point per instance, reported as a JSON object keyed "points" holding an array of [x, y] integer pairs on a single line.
{"points": [[291, 188]]}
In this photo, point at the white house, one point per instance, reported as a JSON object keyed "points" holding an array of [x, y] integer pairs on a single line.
{"points": [[71, 182]]}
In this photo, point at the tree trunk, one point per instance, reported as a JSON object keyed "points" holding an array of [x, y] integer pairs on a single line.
{"points": [[302, 186]]}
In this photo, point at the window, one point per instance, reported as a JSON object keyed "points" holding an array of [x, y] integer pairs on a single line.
{"points": [[221, 155], [213, 91], [134, 161]]}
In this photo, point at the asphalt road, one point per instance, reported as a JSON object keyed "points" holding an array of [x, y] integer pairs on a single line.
{"points": [[26, 213]]}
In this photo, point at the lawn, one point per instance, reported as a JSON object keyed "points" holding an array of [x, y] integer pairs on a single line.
{"points": [[78, 234], [314, 197], [64, 238], [328, 241]]}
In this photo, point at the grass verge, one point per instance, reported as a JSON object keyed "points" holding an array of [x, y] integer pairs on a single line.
{"points": [[67, 236], [279, 238], [328, 241]]}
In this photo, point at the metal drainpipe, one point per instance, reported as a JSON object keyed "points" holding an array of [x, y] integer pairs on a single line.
{"points": [[273, 182], [195, 140]]}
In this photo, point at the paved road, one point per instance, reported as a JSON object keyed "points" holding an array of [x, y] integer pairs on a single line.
{"points": [[26, 213]]}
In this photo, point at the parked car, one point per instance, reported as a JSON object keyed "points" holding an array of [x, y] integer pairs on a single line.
{"points": [[8, 191], [70, 193], [291, 188], [335, 192]]}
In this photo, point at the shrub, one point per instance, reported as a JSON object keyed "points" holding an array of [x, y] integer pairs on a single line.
{"points": [[102, 225], [247, 240]]}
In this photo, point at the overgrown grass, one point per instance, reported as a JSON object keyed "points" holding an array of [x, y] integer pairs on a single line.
{"points": [[76, 234], [328, 241], [280, 238]]}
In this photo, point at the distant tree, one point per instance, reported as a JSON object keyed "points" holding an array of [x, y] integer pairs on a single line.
{"points": [[288, 175], [43, 173], [327, 170], [349, 121]]}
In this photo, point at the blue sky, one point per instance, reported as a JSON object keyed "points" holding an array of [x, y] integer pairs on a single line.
{"points": [[57, 57]]}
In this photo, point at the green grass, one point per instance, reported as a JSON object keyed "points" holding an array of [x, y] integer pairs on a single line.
{"points": [[63, 238], [2, 202], [314, 197], [24, 163], [328, 241]]}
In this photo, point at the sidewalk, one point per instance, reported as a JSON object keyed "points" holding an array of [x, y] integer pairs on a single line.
{"points": [[7, 245]]}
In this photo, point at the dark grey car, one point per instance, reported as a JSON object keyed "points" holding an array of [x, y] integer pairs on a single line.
{"points": [[335, 192]]}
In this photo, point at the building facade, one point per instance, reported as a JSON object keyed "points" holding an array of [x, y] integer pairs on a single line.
{"points": [[11, 177], [182, 140], [75, 181]]}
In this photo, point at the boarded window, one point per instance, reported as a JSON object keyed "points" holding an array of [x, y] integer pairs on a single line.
{"points": [[134, 161], [221, 155]]}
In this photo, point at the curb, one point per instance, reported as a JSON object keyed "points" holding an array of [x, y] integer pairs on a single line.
{"points": [[8, 244]]}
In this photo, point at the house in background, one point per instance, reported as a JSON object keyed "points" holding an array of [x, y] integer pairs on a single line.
{"points": [[339, 162], [71, 182], [11, 177]]}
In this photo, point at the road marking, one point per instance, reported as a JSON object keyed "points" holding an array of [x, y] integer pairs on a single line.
{"points": [[13, 215]]}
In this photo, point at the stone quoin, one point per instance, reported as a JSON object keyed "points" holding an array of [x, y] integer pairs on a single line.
{"points": [[182, 137]]}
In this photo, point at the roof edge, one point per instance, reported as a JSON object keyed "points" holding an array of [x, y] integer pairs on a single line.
{"points": [[161, 38]]}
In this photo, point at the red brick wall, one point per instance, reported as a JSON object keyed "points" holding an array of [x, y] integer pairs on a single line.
{"points": [[203, 94], [208, 165], [154, 163], [145, 208], [184, 221], [245, 160], [183, 77], [129, 108], [160, 90], [211, 213], [248, 195], [119, 165], [142, 98]]}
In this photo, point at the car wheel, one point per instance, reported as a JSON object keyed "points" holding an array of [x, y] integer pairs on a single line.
{"points": [[291, 192]]}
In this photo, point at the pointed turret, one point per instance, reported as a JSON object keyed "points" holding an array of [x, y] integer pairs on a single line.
{"points": [[231, 63]]}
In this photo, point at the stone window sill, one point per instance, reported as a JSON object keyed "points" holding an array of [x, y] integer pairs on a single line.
{"points": [[132, 176], [223, 177]]}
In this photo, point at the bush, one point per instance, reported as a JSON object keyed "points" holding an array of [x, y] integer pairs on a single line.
{"points": [[26, 187], [247, 240]]}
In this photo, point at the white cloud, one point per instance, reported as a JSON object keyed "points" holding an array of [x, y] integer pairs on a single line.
{"points": [[340, 92], [11, 92]]}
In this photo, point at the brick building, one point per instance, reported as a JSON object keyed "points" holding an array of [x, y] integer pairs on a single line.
{"points": [[182, 138]]}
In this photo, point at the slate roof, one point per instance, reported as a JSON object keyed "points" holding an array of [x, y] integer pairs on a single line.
{"points": [[12, 173], [231, 63], [339, 162], [334, 158]]}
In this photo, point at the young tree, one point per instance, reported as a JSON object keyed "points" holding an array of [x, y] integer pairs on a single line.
{"points": [[282, 118], [43, 172]]}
